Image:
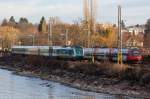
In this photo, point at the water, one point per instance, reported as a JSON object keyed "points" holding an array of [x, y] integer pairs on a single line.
{"points": [[18, 87]]}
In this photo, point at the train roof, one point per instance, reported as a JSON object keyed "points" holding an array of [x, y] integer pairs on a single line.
{"points": [[104, 50], [42, 47], [30, 47], [96, 50], [124, 50]]}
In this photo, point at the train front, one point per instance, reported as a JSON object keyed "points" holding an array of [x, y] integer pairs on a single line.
{"points": [[134, 56]]}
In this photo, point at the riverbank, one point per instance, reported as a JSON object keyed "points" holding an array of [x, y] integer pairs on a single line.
{"points": [[96, 77]]}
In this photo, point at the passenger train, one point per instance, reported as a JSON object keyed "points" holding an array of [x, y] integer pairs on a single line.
{"points": [[79, 53], [57, 52]]}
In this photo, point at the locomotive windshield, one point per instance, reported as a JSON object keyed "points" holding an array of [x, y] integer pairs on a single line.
{"points": [[79, 51], [135, 52]]}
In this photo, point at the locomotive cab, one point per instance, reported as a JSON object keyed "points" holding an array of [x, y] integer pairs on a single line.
{"points": [[134, 56]]}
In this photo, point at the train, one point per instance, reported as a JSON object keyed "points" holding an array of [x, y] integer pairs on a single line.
{"points": [[129, 55], [56, 52], [79, 53]]}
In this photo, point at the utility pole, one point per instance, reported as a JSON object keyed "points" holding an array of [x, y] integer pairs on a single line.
{"points": [[66, 36], [119, 37], [50, 42], [89, 38], [90, 13], [33, 39]]}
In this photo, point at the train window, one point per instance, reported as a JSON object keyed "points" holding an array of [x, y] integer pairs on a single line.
{"points": [[124, 54], [60, 51], [70, 52], [136, 54], [65, 51], [55, 51], [18, 50]]}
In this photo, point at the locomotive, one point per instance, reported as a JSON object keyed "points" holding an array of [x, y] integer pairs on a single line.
{"points": [[135, 55]]}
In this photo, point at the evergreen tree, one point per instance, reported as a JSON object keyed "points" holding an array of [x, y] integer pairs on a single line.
{"points": [[12, 21], [4, 23], [42, 26], [25, 26], [147, 34], [148, 25], [26, 20], [23, 21], [123, 24]]}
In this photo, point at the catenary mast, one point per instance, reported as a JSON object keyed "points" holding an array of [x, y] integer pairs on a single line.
{"points": [[90, 13]]}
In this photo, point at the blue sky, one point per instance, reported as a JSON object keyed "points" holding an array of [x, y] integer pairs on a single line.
{"points": [[134, 11]]}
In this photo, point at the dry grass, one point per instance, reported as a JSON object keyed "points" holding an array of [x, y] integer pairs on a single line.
{"points": [[138, 74]]}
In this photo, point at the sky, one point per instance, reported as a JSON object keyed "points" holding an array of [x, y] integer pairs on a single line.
{"points": [[133, 11]]}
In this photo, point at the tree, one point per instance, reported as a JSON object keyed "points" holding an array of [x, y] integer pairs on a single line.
{"points": [[12, 22], [8, 35], [23, 25], [42, 26], [110, 37], [4, 23], [148, 25], [23, 21], [147, 34], [123, 24]]}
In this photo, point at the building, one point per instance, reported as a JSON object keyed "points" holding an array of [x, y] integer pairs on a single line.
{"points": [[135, 30], [133, 36], [147, 35], [147, 39], [106, 25]]}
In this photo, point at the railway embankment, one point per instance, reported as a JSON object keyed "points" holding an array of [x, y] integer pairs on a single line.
{"points": [[98, 77]]}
